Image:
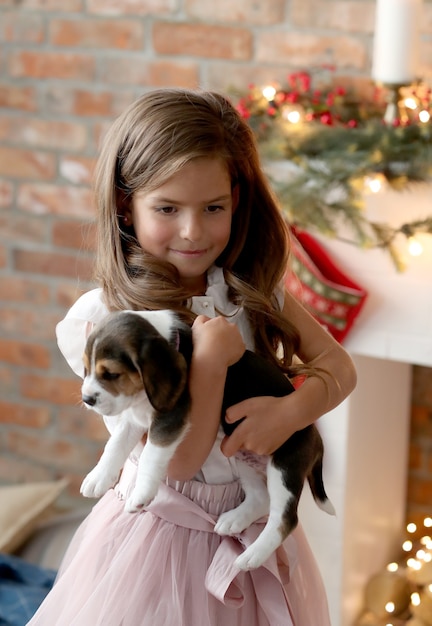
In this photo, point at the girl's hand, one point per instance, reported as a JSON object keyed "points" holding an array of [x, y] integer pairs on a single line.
{"points": [[219, 338], [267, 424]]}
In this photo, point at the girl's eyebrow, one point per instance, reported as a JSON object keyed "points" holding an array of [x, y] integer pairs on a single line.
{"points": [[156, 198]]}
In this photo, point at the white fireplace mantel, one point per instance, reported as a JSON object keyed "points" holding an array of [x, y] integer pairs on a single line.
{"points": [[367, 437]]}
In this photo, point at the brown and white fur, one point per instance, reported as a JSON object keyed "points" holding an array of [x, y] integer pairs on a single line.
{"points": [[136, 367]]}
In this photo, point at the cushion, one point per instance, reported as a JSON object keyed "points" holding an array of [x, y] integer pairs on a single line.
{"points": [[22, 507]]}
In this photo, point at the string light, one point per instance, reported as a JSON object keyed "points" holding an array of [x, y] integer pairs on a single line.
{"points": [[407, 545], [411, 528], [415, 248], [291, 115], [424, 116], [392, 567], [415, 598], [427, 522], [410, 103], [374, 184], [269, 92], [390, 607]]}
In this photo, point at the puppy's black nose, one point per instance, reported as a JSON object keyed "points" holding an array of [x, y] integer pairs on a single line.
{"points": [[90, 400]]}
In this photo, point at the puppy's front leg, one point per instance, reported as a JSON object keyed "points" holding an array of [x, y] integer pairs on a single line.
{"points": [[119, 446], [152, 469], [256, 503]]}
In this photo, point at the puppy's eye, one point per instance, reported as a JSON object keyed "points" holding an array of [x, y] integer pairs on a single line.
{"points": [[110, 375]]}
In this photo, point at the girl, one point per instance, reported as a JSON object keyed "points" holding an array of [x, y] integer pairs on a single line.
{"points": [[187, 221]]}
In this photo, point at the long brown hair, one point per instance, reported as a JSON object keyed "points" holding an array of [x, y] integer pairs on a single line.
{"points": [[158, 134]]}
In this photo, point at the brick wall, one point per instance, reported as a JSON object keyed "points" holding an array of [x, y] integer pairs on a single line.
{"points": [[68, 67]]}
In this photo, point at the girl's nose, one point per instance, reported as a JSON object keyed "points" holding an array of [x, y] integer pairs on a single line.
{"points": [[191, 229]]}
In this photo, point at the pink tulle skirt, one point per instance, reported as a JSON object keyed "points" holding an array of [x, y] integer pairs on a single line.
{"points": [[166, 567]]}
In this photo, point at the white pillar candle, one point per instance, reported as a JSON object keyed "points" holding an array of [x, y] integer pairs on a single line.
{"points": [[396, 41]]}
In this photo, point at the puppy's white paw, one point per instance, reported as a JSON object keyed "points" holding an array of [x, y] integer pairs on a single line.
{"points": [[97, 483], [233, 522], [250, 559], [140, 498]]}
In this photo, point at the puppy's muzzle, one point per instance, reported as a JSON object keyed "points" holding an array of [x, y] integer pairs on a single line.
{"points": [[90, 400]]}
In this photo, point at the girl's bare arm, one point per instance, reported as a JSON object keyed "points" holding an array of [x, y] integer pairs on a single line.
{"points": [[271, 421], [217, 344]]}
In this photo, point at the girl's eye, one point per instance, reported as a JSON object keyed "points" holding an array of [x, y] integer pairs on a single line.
{"points": [[166, 210], [214, 208]]}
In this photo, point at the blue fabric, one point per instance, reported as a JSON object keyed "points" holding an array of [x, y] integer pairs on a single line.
{"points": [[23, 586]]}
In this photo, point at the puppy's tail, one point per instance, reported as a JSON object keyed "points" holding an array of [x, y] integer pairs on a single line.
{"points": [[315, 479]]}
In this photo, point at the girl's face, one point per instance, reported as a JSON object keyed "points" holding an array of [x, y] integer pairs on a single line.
{"points": [[187, 220]]}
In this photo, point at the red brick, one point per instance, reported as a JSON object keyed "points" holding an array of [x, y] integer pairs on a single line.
{"points": [[51, 389], [49, 451], [56, 200], [17, 97], [53, 263], [18, 227], [229, 76], [6, 192], [29, 323], [68, 6], [81, 422], [243, 11], [73, 234], [416, 456], [121, 71], [16, 163], [91, 104], [67, 293], [350, 16], [52, 65], [421, 422], [121, 34], [131, 7], [21, 27], [13, 470], [18, 289], [25, 354], [52, 134], [202, 40], [21, 415], [420, 490], [77, 169], [305, 50]]}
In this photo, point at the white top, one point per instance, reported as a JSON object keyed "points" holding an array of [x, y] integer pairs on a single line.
{"points": [[89, 309]]}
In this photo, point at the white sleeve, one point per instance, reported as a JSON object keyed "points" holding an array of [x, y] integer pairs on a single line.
{"points": [[73, 330]]}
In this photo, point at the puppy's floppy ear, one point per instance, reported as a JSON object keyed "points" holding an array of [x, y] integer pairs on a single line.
{"points": [[164, 373]]}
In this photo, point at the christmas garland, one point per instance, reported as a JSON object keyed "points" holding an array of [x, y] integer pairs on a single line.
{"points": [[335, 144]]}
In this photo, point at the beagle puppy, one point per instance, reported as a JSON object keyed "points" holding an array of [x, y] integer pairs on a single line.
{"points": [[136, 368]]}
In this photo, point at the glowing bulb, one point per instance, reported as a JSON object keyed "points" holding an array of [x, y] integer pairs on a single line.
{"points": [[390, 607], [424, 116], [414, 564], [410, 103], [392, 567], [373, 184], [427, 522], [415, 598], [414, 246], [420, 554], [269, 92], [425, 540], [407, 545], [411, 528], [427, 557], [293, 117]]}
